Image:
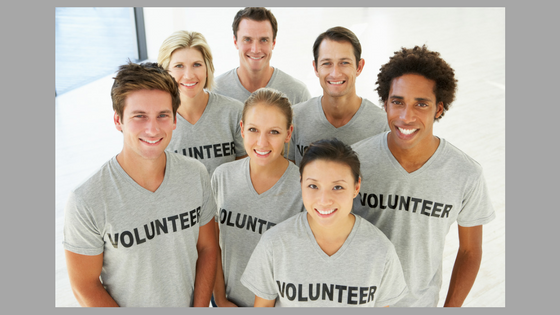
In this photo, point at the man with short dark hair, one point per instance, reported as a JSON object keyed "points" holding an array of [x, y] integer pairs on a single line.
{"points": [[139, 231], [254, 36], [339, 112], [416, 185]]}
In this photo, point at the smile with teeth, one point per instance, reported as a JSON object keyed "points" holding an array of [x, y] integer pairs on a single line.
{"points": [[325, 212], [336, 82], [262, 152], [406, 131], [188, 84], [255, 58], [151, 142]]}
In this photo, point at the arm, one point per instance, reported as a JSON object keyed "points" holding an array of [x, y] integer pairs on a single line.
{"points": [[83, 272], [219, 285], [260, 302], [466, 265], [207, 248]]}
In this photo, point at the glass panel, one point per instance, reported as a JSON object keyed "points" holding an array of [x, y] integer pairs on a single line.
{"points": [[91, 43]]}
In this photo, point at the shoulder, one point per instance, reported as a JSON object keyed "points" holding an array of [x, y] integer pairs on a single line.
{"points": [[225, 102], [235, 166], [370, 106], [284, 230], [178, 162], [304, 106], [286, 77], [369, 143], [370, 233], [94, 182], [458, 158], [226, 74]]}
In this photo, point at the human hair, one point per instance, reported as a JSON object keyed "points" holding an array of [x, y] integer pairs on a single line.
{"points": [[133, 77], [255, 14], [273, 98], [185, 39], [332, 150], [421, 61], [338, 34]]}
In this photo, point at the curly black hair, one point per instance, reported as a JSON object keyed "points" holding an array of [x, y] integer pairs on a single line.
{"points": [[419, 60]]}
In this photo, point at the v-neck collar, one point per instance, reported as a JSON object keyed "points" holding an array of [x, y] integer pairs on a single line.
{"points": [[326, 122], [319, 250], [247, 171], [200, 120], [419, 171], [139, 188]]}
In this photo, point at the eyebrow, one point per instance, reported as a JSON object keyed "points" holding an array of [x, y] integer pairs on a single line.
{"points": [[416, 98]]}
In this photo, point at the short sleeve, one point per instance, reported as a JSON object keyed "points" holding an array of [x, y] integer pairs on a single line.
{"points": [[477, 207], [393, 285], [259, 273], [81, 230], [208, 211]]}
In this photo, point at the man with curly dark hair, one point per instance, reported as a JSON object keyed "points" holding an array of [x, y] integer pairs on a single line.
{"points": [[416, 185]]}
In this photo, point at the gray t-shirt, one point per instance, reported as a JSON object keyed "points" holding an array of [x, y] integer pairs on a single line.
{"points": [[244, 216], [215, 138], [311, 124], [228, 84], [148, 239], [415, 210], [288, 265]]}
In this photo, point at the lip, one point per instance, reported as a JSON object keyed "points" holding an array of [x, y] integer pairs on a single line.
{"points": [[326, 215], [407, 135], [151, 142], [189, 86], [336, 83], [255, 58], [262, 151]]}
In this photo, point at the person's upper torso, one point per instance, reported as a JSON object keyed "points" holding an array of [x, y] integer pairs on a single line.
{"points": [[148, 239], [244, 215], [415, 210], [311, 124], [215, 138], [228, 84], [289, 265]]}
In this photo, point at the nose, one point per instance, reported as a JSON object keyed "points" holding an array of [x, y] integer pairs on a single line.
{"points": [[407, 114], [255, 46], [325, 197], [152, 126], [335, 71], [262, 140], [187, 73]]}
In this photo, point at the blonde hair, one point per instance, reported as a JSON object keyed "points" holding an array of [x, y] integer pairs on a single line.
{"points": [[186, 39]]}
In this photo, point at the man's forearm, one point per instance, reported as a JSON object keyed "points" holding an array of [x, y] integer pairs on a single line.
{"points": [[464, 274], [205, 277]]}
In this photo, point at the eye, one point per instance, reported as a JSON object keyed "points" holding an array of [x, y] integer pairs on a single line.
{"points": [[312, 186], [197, 64], [396, 102], [275, 132], [164, 115], [338, 187], [179, 66], [264, 40], [422, 104], [252, 129]]}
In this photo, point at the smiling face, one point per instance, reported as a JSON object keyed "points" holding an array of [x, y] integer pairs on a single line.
{"points": [[337, 68], [411, 110], [189, 70], [328, 190], [147, 124], [255, 44], [264, 130]]}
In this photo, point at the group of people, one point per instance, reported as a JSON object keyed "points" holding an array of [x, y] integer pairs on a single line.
{"points": [[246, 191]]}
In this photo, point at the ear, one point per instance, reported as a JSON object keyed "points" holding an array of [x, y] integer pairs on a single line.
{"points": [[242, 131], [315, 68], [273, 43], [117, 121], [235, 42], [439, 110], [358, 184], [289, 136], [361, 65], [385, 106], [175, 121]]}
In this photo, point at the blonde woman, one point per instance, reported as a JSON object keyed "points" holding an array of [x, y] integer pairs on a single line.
{"points": [[255, 193], [207, 123]]}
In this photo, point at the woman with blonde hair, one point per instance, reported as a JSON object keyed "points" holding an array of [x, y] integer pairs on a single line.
{"points": [[208, 123], [255, 193]]}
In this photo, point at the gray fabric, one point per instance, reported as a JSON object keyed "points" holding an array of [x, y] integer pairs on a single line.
{"points": [[288, 265], [215, 138], [416, 210], [148, 239], [311, 124], [228, 84], [244, 215]]}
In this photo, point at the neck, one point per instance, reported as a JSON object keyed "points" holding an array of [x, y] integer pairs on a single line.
{"points": [[254, 80], [148, 174], [340, 110], [192, 108], [413, 158], [273, 169]]}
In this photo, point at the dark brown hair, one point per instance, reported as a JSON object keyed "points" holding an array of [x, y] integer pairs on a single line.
{"points": [[255, 14], [332, 150], [338, 34], [419, 60]]}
